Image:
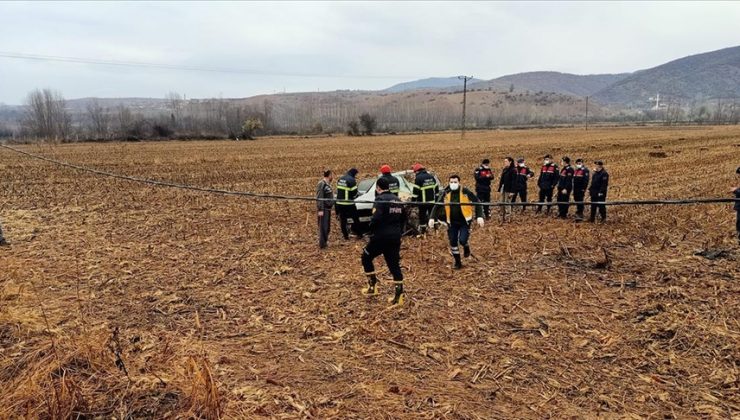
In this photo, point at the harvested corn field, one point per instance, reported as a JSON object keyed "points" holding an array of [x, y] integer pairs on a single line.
{"points": [[121, 300]]}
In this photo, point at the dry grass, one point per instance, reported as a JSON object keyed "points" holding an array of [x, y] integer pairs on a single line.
{"points": [[122, 300]]}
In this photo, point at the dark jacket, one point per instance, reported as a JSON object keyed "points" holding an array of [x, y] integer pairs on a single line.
{"points": [[580, 179], [346, 189], [523, 173], [425, 187], [549, 175], [456, 214], [599, 183], [388, 217], [483, 178], [323, 190], [394, 185], [507, 182], [565, 180], [737, 195]]}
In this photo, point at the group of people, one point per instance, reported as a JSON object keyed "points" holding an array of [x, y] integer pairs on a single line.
{"points": [[453, 206]]}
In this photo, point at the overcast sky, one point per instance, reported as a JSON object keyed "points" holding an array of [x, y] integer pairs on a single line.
{"points": [[353, 45]]}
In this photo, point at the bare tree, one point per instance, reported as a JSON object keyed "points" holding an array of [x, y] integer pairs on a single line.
{"points": [[99, 120], [46, 116], [175, 105]]}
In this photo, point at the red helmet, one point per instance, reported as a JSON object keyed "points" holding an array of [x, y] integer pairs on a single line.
{"points": [[417, 167], [385, 169]]}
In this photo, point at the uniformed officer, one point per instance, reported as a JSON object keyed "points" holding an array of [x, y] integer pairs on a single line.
{"points": [[324, 203], [523, 173], [547, 181], [393, 182], [346, 194], [483, 177], [386, 228], [565, 187], [425, 191], [458, 208], [598, 189], [580, 184], [507, 186]]}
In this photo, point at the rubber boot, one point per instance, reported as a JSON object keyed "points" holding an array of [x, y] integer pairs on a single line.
{"points": [[372, 281], [458, 262], [466, 251], [398, 296]]}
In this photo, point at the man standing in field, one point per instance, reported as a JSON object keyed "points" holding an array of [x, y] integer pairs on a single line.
{"points": [[736, 191], [580, 184], [523, 173], [598, 189], [506, 186], [346, 209], [386, 228], [565, 186], [483, 177], [459, 207], [547, 182], [425, 191], [394, 185], [324, 203]]}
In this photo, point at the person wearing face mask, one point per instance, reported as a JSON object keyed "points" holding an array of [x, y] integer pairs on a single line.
{"points": [[565, 187], [506, 186], [483, 177], [736, 191], [460, 205], [598, 189], [580, 184], [548, 180], [523, 173], [346, 209], [324, 204], [386, 229]]}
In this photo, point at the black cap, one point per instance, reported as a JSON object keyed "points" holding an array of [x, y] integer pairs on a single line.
{"points": [[566, 159], [520, 160], [486, 161], [353, 171], [599, 162], [548, 157], [383, 184], [579, 160]]}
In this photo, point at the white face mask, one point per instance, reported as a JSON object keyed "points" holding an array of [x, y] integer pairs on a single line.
{"points": [[547, 161], [522, 164], [579, 166], [454, 186]]}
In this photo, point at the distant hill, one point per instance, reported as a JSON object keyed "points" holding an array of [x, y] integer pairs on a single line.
{"points": [[551, 81], [430, 83], [692, 79]]}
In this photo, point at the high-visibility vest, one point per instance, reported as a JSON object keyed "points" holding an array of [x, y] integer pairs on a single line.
{"points": [[343, 194], [422, 192], [467, 210]]}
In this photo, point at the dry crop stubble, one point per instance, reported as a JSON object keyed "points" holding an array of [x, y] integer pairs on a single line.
{"points": [[224, 306]]}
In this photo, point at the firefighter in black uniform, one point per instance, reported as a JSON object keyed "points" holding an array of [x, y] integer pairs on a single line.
{"points": [[580, 184], [565, 187], [547, 182], [483, 177], [425, 190], [523, 173], [346, 194], [386, 227], [324, 203], [597, 190], [393, 184], [736, 191]]}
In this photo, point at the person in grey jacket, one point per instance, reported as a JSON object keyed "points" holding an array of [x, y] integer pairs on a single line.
{"points": [[324, 204]]}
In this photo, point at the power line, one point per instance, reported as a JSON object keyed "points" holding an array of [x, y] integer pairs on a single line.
{"points": [[79, 60], [314, 199]]}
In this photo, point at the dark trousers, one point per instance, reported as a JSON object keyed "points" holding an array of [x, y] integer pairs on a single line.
{"points": [[737, 226], [545, 196], [579, 195], [345, 212], [424, 211], [598, 207], [522, 194], [485, 197], [458, 234], [563, 198], [324, 228], [390, 248]]}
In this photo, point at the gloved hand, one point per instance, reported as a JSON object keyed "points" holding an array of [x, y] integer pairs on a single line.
{"points": [[431, 223], [480, 221]]}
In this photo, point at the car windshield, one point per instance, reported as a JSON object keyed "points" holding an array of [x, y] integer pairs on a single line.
{"points": [[365, 185]]}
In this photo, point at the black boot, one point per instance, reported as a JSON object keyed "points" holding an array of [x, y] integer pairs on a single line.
{"points": [[372, 281], [398, 296], [466, 251], [458, 263]]}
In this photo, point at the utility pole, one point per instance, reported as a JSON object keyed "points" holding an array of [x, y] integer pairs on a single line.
{"points": [[586, 113], [465, 94]]}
